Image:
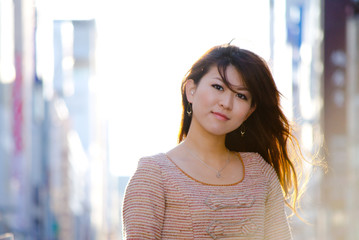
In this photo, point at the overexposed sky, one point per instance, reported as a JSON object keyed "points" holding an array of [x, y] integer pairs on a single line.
{"points": [[144, 50]]}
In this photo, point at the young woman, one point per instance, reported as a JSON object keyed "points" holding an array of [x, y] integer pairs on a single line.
{"points": [[230, 175]]}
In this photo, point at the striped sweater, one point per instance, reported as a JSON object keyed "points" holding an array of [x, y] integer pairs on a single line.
{"points": [[163, 202]]}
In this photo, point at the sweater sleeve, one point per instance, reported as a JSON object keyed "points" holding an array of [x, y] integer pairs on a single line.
{"points": [[276, 225], [144, 202]]}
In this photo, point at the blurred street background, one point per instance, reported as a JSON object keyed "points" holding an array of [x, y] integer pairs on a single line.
{"points": [[87, 87]]}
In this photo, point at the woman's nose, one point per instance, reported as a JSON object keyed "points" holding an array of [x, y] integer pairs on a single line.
{"points": [[227, 100]]}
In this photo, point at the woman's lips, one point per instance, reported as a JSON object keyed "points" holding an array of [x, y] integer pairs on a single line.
{"points": [[220, 116]]}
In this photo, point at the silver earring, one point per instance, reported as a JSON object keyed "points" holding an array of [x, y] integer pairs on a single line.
{"points": [[192, 92], [242, 130], [189, 109]]}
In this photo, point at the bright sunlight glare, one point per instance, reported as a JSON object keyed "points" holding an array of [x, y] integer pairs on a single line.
{"points": [[144, 50]]}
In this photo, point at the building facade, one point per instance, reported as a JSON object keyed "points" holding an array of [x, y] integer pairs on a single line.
{"points": [[55, 182]]}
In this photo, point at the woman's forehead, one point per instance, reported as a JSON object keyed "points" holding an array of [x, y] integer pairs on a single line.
{"points": [[230, 76]]}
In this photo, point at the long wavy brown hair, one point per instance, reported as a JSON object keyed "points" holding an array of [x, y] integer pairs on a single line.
{"points": [[268, 131]]}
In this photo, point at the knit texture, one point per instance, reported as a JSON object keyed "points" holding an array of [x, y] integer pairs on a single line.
{"points": [[163, 202]]}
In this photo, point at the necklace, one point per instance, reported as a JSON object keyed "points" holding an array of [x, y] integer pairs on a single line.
{"points": [[218, 172]]}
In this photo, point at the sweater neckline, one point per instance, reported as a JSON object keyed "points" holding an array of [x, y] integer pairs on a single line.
{"points": [[209, 184]]}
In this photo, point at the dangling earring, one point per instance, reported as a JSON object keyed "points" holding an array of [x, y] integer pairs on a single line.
{"points": [[189, 109], [242, 130]]}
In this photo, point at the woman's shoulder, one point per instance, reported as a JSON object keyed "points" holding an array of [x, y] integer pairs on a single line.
{"points": [[151, 160], [154, 162], [149, 169], [255, 162]]}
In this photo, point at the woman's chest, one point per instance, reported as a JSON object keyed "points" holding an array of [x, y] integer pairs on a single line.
{"points": [[220, 211]]}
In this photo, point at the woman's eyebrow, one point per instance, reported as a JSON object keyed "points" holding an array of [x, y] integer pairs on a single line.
{"points": [[236, 88], [240, 88]]}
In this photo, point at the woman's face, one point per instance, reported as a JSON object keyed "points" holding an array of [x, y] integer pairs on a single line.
{"points": [[218, 109]]}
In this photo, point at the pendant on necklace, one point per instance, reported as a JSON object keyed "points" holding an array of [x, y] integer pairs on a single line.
{"points": [[218, 175]]}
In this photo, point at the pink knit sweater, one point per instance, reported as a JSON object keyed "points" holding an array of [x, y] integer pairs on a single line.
{"points": [[163, 202]]}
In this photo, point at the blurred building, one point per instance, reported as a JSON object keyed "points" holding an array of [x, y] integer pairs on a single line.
{"points": [[321, 44], [16, 82], [340, 188], [54, 176], [297, 66], [352, 71]]}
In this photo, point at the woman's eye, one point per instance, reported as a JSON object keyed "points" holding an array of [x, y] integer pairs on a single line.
{"points": [[218, 87], [241, 96]]}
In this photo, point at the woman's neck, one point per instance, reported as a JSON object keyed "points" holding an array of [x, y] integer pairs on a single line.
{"points": [[211, 149]]}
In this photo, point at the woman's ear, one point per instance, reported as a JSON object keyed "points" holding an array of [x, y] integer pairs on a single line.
{"points": [[190, 90]]}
